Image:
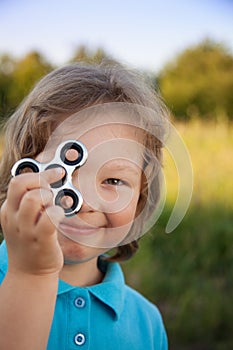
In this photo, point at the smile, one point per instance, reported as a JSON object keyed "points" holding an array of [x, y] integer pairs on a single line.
{"points": [[78, 230]]}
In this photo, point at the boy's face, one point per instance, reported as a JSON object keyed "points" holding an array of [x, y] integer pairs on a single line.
{"points": [[110, 184]]}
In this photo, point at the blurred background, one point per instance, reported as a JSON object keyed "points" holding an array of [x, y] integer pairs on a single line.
{"points": [[185, 48]]}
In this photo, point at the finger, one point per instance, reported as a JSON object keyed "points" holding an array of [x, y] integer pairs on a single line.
{"points": [[50, 220], [52, 175], [32, 205], [20, 184]]}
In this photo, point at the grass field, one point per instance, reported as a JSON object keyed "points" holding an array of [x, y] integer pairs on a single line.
{"points": [[211, 150]]}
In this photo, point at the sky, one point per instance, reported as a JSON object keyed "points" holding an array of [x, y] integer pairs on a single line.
{"points": [[143, 34]]}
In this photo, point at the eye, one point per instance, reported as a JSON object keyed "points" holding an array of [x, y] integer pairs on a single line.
{"points": [[114, 182]]}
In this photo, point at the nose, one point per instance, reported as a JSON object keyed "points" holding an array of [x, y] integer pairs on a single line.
{"points": [[85, 208], [83, 189]]}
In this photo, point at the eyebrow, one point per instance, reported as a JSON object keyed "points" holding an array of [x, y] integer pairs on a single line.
{"points": [[122, 167]]}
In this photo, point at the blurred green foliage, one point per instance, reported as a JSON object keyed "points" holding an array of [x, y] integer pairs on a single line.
{"points": [[199, 82], [84, 54], [188, 275], [17, 77], [25, 74]]}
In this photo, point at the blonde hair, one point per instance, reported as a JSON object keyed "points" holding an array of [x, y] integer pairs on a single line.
{"points": [[66, 91]]}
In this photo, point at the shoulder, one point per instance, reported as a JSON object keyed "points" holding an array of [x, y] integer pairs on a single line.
{"points": [[130, 301], [134, 312], [141, 305], [134, 301], [146, 319]]}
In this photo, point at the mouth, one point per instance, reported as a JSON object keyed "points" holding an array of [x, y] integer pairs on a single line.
{"points": [[78, 230]]}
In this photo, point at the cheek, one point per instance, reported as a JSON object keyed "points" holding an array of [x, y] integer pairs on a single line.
{"points": [[119, 226], [125, 216]]}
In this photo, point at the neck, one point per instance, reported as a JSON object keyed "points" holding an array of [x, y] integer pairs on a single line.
{"points": [[82, 274]]}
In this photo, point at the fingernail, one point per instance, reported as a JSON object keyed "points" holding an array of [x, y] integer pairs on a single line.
{"points": [[59, 170]]}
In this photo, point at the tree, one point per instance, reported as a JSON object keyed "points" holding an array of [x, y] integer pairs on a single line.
{"points": [[84, 54], [199, 82], [7, 65], [26, 73]]}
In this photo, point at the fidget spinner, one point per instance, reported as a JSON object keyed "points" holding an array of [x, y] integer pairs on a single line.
{"points": [[65, 194]]}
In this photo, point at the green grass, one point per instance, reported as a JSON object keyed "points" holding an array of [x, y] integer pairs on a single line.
{"points": [[211, 150]]}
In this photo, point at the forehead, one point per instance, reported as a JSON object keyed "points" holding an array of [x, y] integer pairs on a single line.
{"points": [[102, 119], [107, 132], [113, 142], [105, 139], [93, 127]]}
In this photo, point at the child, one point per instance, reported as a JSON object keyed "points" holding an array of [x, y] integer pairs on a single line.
{"points": [[59, 288]]}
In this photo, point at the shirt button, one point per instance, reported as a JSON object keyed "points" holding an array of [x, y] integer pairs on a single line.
{"points": [[79, 339], [79, 302]]}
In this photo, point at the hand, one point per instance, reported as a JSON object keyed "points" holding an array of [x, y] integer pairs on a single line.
{"points": [[29, 220]]}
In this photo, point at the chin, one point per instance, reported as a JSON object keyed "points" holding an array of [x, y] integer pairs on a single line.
{"points": [[75, 253]]}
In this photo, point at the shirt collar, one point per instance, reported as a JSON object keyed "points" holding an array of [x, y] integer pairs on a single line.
{"points": [[111, 291]]}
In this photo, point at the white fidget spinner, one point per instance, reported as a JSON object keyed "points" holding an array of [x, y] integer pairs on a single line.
{"points": [[64, 187]]}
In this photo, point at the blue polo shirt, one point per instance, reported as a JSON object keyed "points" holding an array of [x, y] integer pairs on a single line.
{"points": [[109, 315]]}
